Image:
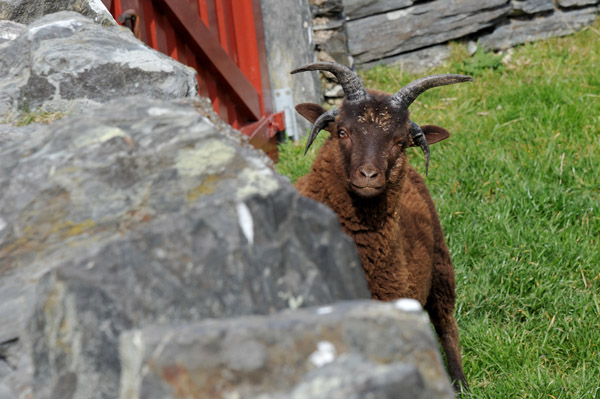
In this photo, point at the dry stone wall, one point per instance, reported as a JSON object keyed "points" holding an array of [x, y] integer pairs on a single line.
{"points": [[414, 34]]}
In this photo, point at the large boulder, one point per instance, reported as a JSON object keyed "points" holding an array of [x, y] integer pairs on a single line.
{"points": [[27, 11], [352, 350], [145, 211], [65, 56]]}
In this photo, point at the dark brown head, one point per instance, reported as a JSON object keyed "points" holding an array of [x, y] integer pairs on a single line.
{"points": [[130, 19], [372, 128]]}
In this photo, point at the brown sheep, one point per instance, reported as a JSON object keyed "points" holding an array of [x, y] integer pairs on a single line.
{"points": [[362, 173]]}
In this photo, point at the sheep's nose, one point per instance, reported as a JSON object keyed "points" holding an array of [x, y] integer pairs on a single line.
{"points": [[368, 172]]}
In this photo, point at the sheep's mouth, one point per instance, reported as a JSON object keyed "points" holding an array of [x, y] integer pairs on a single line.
{"points": [[367, 191]]}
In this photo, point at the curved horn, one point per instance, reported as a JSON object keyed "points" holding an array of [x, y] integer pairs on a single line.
{"points": [[348, 79], [418, 138], [322, 121], [409, 93]]}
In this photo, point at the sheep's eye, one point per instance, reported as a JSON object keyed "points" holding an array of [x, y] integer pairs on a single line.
{"points": [[342, 133]]}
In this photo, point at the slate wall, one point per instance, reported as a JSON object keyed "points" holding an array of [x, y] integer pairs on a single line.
{"points": [[414, 34]]}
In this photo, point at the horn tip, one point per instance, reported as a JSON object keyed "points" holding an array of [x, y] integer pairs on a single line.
{"points": [[307, 147]]}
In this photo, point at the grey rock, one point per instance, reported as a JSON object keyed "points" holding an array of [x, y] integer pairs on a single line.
{"points": [[336, 46], [326, 8], [66, 62], [355, 9], [576, 3], [415, 61], [336, 91], [15, 370], [422, 25], [10, 30], [145, 211], [472, 47], [27, 11], [353, 376], [532, 6], [351, 350], [522, 31], [13, 134], [324, 23], [6, 392]]}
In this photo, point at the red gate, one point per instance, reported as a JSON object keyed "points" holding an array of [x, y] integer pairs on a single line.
{"points": [[223, 40]]}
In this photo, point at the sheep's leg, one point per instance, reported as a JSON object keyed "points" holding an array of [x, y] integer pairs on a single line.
{"points": [[447, 330], [440, 306]]}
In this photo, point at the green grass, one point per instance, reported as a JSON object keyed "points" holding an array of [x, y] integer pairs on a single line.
{"points": [[26, 116], [517, 187]]}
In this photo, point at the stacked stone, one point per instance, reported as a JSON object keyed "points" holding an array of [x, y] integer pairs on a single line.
{"points": [[414, 34], [331, 43]]}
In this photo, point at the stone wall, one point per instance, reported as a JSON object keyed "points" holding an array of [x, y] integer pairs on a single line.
{"points": [[414, 34]]}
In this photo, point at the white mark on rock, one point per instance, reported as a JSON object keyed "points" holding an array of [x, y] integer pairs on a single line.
{"points": [[212, 157], [99, 135], [324, 354], [2, 224], [254, 181], [156, 111], [136, 339], [8, 35], [90, 265], [231, 395], [160, 253], [246, 222], [295, 303], [325, 310], [394, 15], [408, 305], [142, 59], [70, 24], [111, 133]]}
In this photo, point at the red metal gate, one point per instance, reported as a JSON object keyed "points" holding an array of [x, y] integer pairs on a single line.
{"points": [[223, 40]]}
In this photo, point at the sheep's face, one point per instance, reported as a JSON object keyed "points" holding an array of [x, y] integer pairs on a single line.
{"points": [[372, 137]]}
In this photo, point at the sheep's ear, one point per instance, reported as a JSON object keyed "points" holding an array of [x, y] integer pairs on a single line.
{"points": [[311, 112], [433, 133]]}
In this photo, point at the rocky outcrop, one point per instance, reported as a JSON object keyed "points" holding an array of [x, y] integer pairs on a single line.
{"points": [[351, 350], [147, 211], [27, 11], [64, 57]]}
